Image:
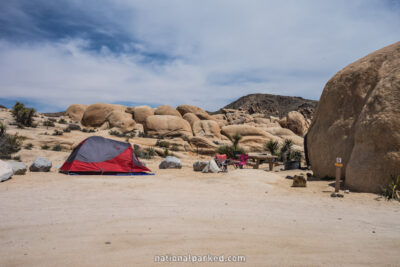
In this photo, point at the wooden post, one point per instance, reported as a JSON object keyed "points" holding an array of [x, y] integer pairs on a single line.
{"points": [[337, 184], [339, 166]]}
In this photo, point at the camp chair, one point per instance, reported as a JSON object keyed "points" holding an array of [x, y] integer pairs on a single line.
{"points": [[221, 161], [242, 162]]}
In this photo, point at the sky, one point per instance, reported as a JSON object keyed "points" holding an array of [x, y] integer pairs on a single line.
{"points": [[206, 53]]}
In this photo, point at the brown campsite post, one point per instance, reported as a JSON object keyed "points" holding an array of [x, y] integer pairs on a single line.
{"points": [[338, 165]]}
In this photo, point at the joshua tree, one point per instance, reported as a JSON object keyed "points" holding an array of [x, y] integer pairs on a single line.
{"points": [[236, 139], [272, 146], [23, 115]]}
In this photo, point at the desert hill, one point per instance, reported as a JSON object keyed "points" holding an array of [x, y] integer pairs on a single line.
{"points": [[273, 105]]}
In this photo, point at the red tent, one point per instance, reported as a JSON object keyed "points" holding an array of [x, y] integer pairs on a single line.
{"points": [[101, 155]]}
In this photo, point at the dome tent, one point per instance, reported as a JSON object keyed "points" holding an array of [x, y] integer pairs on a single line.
{"points": [[100, 155]]}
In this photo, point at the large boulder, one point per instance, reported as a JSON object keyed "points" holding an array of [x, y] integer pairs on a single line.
{"points": [[95, 115], [5, 171], [170, 162], [40, 165], [75, 111], [19, 168], [142, 112], [121, 120], [198, 166], [167, 110], [191, 118], [199, 112], [243, 130], [296, 122], [167, 125], [207, 128], [358, 119], [202, 145]]}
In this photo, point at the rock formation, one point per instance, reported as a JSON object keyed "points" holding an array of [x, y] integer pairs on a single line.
{"points": [[358, 119]]}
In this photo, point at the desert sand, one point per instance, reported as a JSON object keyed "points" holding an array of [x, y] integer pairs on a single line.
{"points": [[52, 219]]}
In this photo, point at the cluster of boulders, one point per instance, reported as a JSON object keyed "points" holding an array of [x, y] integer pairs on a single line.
{"points": [[12, 167], [203, 131]]}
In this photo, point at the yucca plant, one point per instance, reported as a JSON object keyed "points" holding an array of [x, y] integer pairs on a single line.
{"points": [[392, 190], [272, 147], [236, 139]]}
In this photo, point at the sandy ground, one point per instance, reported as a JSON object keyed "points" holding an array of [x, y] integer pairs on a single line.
{"points": [[51, 219]]}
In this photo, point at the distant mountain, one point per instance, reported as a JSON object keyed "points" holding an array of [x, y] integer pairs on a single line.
{"points": [[273, 105]]}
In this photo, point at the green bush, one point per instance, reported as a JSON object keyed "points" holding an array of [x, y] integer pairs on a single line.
{"points": [[236, 139], [285, 152], [57, 147], [175, 147], [3, 129], [58, 132], [23, 115], [9, 144], [162, 143], [45, 147], [230, 151], [48, 123], [272, 147], [28, 146], [62, 121], [148, 153], [392, 190]]}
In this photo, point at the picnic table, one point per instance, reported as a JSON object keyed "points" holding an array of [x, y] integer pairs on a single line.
{"points": [[258, 158]]}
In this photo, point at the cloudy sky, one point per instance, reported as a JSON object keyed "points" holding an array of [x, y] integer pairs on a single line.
{"points": [[206, 53]]}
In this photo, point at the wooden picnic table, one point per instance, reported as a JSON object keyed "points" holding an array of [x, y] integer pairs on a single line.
{"points": [[260, 157]]}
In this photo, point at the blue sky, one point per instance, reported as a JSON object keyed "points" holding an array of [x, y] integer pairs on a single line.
{"points": [[206, 53]]}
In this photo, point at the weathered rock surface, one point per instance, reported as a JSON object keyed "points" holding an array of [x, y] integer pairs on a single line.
{"points": [[141, 113], [167, 110], [202, 145], [95, 115], [191, 118], [167, 125], [121, 120], [207, 128], [75, 111], [296, 122], [199, 112], [19, 168], [5, 171], [358, 119], [40, 165], [170, 162], [243, 130]]}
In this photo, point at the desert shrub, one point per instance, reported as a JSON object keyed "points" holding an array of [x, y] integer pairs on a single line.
{"points": [[16, 158], [45, 147], [3, 129], [62, 121], [58, 132], [148, 153], [74, 127], [28, 146], [286, 150], [272, 147], [23, 115], [392, 190], [48, 123], [67, 130], [162, 143], [185, 138], [230, 151], [175, 147], [9, 144], [296, 155], [57, 147]]}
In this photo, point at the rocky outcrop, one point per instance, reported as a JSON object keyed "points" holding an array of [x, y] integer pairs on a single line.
{"points": [[121, 120], [40, 165], [141, 113], [167, 125], [296, 122], [170, 162], [358, 119], [167, 110], [199, 112], [5, 171], [95, 115], [75, 111], [202, 145], [19, 168], [207, 128], [243, 130], [191, 118]]}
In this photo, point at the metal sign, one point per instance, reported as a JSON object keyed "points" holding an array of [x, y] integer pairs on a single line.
{"points": [[338, 160]]}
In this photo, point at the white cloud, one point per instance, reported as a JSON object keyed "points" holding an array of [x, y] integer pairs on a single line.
{"points": [[219, 50]]}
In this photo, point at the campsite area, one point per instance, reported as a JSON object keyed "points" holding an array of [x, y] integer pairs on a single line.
{"points": [[52, 219]]}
